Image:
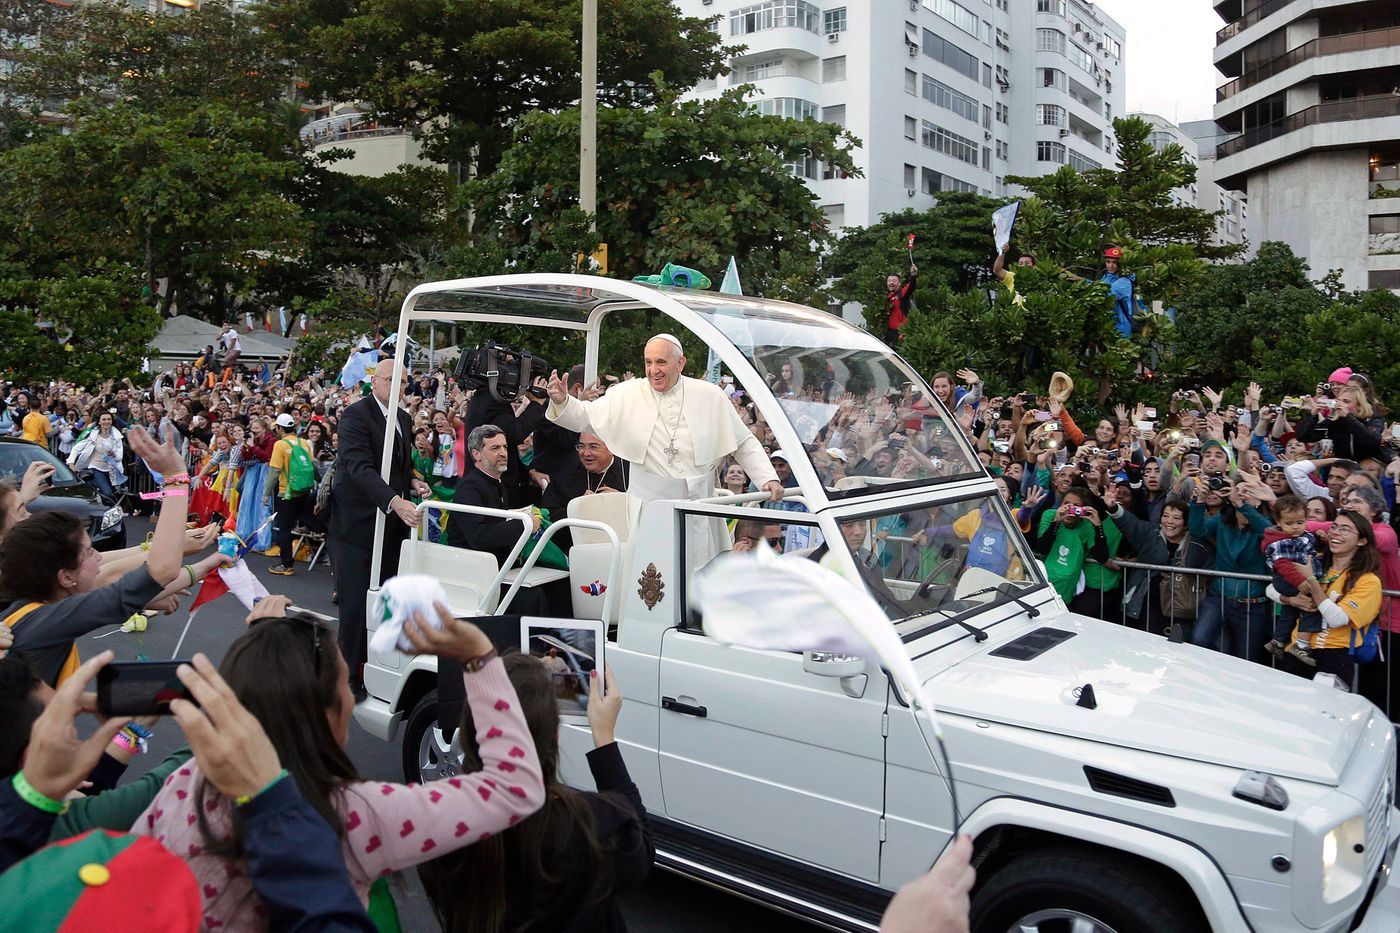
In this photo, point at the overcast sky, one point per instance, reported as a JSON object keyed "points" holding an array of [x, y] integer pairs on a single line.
{"points": [[1169, 67]]}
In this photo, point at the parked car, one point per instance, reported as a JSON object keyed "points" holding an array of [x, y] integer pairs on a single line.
{"points": [[1112, 780], [106, 522]]}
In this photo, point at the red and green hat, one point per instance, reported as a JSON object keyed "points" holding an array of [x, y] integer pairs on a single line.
{"points": [[100, 881]]}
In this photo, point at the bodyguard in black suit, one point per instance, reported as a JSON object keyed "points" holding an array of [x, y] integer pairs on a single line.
{"points": [[358, 495]]}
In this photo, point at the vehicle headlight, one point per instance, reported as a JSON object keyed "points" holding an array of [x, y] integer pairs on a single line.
{"points": [[1344, 860], [112, 517]]}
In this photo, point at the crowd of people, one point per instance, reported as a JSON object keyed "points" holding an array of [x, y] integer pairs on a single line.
{"points": [[263, 807], [1261, 529]]}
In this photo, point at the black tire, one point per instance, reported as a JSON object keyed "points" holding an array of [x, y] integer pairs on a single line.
{"points": [[421, 726], [1120, 895]]}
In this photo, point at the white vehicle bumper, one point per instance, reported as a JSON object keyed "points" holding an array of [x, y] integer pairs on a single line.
{"points": [[378, 718]]}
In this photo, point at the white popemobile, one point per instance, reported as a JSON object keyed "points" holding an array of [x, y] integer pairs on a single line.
{"points": [[1112, 781]]}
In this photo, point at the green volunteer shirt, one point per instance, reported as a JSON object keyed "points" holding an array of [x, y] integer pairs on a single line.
{"points": [[1067, 555]]}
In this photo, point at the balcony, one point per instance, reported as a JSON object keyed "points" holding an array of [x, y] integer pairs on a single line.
{"points": [[1328, 45], [1267, 8], [1337, 111]]}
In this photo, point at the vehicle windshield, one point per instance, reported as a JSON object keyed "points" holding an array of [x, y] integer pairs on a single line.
{"points": [[864, 417], [15, 459], [928, 564]]}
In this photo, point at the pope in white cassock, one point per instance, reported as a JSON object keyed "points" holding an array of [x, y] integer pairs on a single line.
{"points": [[673, 429]]}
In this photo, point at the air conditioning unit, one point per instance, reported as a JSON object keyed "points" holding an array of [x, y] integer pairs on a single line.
{"points": [[910, 191], [1064, 133], [913, 50], [914, 5], [833, 37]]}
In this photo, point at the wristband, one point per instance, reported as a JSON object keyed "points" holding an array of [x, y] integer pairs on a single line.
{"points": [[128, 740], [472, 665], [248, 797], [140, 730], [34, 798], [174, 478], [190, 570]]}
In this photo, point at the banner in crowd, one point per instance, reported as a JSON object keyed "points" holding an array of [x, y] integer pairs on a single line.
{"points": [[730, 286], [1003, 222]]}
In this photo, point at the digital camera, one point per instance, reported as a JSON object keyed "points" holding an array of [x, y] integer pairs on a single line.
{"points": [[1076, 510], [503, 371], [1327, 407], [1218, 482]]}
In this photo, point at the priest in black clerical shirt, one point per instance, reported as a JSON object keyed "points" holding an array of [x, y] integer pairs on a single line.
{"points": [[596, 470]]}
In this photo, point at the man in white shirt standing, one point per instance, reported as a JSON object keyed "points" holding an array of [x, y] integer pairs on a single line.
{"points": [[233, 347]]}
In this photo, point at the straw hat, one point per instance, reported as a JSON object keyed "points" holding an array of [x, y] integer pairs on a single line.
{"points": [[1061, 387]]}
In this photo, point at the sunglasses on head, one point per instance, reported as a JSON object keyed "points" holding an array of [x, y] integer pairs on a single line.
{"points": [[318, 627]]}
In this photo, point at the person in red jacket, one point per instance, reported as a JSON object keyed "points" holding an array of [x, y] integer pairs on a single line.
{"points": [[900, 299]]}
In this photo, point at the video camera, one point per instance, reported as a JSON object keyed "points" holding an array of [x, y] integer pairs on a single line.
{"points": [[503, 371]]}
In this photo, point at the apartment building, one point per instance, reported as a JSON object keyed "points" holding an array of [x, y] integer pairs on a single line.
{"points": [[1199, 139], [1313, 109], [945, 95]]}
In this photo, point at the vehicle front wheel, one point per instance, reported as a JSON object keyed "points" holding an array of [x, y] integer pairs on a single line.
{"points": [[1069, 891], [427, 755]]}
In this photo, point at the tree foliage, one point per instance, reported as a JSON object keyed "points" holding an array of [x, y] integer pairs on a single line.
{"points": [[951, 247], [469, 69], [691, 182]]}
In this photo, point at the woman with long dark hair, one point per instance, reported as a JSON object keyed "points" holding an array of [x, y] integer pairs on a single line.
{"points": [[1348, 595], [291, 676], [561, 868]]}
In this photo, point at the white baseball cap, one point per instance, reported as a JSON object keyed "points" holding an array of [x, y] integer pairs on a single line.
{"points": [[285, 420]]}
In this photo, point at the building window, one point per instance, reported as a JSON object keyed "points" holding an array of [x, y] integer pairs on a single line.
{"points": [[1003, 77], [773, 14], [834, 21], [1050, 6], [1050, 152], [941, 50], [833, 69], [986, 117], [792, 108], [760, 70], [959, 16], [940, 140], [1384, 278], [941, 94], [1050, 40], [835, 215], [830, 172], [911, 82], [1385, 223], [932, 182], [1051, 77], [1003, 150], [986, 159], [911, 128], [1003, 113], [1108, 111], [1112, 46], [1004, 5], [836, 114], [1003, 40], [804, 167], [1051, 115], [986, 75], [1080, 163], [1083, 59], [909, 180]]}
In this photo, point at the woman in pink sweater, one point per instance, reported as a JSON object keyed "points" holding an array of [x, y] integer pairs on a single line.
{"points": [[289, 673]]}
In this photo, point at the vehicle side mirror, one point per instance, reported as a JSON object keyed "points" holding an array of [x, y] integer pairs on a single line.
{"points": [[849, 668]]}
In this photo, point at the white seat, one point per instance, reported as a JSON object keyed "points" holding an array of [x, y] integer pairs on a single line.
{"points": [[610, 508], [975, 579], [465, 575], [588, 564]]}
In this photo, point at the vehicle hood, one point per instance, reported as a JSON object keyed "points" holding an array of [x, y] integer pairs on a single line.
{"points": [[78, 499], [1152, 695]]}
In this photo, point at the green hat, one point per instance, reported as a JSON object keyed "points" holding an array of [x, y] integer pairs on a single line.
{"points": [[1212, 442], [100, 881]]}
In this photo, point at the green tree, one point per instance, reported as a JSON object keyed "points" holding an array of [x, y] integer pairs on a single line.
{"points": [[93, 329], [952, 248], [469, 69], [691, 182]]}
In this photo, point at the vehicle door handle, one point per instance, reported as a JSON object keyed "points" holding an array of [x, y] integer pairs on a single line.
{"points": [[690, 709]]}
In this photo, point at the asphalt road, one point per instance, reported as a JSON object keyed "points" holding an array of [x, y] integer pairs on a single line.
{"points": [[666, 902]]}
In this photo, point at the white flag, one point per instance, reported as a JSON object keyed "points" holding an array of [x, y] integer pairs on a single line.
{"points": [[1003, 220], [730, 286]]}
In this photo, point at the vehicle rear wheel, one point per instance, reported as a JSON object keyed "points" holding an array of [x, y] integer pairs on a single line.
{"points": [[427, 754], [1069, 891]]}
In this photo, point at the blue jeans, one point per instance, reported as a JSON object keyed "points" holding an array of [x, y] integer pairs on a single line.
{"points": [[1235, 626], [102, 482]]}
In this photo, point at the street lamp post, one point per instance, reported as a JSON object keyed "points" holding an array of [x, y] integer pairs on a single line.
{"points": [[588, 116]]}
